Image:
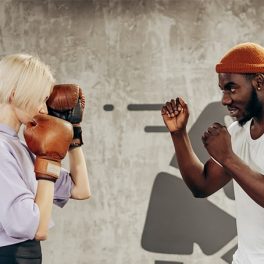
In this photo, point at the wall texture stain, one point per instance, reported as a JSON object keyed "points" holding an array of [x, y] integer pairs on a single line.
{"points": [[127, 52]]}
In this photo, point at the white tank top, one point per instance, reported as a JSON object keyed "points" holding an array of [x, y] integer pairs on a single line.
{"points": [[249, 215]]}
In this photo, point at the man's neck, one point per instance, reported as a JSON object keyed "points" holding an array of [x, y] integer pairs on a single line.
{"points": [[256, 128]]}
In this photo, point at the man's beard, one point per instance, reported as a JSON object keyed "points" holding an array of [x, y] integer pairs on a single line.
{"points": [[252, 109]]}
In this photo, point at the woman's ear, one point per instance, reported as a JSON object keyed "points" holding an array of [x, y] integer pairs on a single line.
{"points": [[11, 97]]}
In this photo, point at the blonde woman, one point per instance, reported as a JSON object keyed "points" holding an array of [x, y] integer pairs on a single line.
{"points": [[31, 179]]}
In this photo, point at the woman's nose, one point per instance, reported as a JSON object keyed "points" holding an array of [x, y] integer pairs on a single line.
{"points": [[43, 109]]}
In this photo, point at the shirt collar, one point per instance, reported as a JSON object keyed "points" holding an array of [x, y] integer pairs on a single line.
{"points": [[8, 130]]}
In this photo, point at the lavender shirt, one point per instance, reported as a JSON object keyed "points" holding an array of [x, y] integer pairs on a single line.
{"points": [[19, 214]]}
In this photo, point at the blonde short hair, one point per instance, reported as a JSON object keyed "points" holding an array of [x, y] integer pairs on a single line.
{"points": [[26, 78]]}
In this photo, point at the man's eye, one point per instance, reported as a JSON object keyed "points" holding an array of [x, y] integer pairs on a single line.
{"points": [[232, 90]]}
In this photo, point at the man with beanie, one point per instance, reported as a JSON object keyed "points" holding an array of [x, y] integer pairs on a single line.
{"points": [[236, 152]]}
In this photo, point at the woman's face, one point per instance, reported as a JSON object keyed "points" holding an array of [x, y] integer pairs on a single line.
{"points": [[25, 116]]}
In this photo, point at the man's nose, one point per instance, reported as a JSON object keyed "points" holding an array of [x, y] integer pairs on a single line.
{"points": [[226, 99]]}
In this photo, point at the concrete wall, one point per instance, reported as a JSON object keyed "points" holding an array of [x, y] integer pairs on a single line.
{"points": [[125, 53]]}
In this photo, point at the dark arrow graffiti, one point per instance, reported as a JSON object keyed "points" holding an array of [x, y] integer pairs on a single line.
{"points": [[175, 220]]}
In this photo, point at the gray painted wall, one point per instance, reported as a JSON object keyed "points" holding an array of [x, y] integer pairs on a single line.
{"points": [[128, 52]]}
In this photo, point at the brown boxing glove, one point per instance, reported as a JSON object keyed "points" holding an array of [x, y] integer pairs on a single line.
{"points": [[49, 139], [67, 102]]}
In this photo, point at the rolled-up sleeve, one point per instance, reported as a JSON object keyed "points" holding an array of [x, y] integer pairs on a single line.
{"points": [[19, 214], [63, 186]]}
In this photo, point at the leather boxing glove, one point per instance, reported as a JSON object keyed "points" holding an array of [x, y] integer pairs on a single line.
{"points": [[48, 138], [67, 102]]}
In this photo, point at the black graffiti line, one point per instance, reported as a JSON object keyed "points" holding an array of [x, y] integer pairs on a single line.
{"points": [[144, 107]]}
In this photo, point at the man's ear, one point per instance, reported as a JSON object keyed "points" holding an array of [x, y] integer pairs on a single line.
{"points": [[258, 81], [11, 97]]}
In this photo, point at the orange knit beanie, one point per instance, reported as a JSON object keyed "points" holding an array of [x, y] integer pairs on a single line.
{"points": [[243, 58]]}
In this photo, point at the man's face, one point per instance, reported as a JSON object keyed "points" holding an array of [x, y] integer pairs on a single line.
{"points": [[239, 96]]}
